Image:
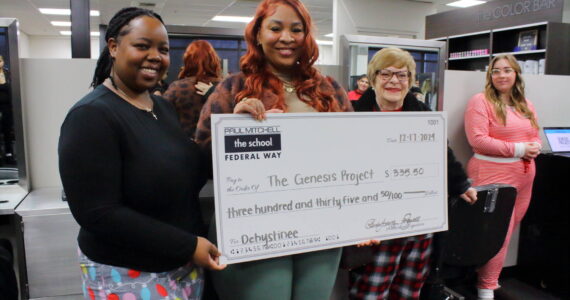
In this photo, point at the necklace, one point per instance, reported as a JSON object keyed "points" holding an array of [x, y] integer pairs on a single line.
{"points": [[132, 102], [288, 86]]}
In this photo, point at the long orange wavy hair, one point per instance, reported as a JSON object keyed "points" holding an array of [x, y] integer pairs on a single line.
{"points": [[305, 77], [200, 60]]}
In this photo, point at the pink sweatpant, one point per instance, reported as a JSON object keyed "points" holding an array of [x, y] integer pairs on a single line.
{"points": [[486, 172]]}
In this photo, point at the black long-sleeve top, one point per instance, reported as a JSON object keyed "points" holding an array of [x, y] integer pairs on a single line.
{"points": [[457, 182], [132, 182]]}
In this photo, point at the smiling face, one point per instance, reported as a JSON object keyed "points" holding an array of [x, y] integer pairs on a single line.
{"points": [[140, 56], [281, 36], [391, 90], [503, 76], [362, 84]]}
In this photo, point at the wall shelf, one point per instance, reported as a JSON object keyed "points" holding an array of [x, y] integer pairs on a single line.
{"points": [[469, 57], [552, 43], [521, 52]]}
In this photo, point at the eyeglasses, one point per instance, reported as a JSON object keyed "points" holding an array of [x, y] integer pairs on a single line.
{"points": [[497, 72], [386, 75]]}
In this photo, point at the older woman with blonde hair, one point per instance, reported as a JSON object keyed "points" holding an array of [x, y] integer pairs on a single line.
{"points": [[502, 129], [400, 266]]}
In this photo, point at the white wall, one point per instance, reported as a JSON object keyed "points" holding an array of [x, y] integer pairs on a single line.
{"points": [[566, 12], [389, 17], [49, 88], [23, 45], [56, 47], [342, 24], [325, 55], [392, 18]]}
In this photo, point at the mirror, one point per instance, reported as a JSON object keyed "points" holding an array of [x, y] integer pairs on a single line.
{"points": [[358, 50], [12, 154]]}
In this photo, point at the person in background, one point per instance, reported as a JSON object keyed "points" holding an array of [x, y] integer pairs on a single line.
{"points": [[202, 69], [277, 76], [502, 129], [361, 87], [417, 92], [161, 86], [400, 266], [131, 175]]}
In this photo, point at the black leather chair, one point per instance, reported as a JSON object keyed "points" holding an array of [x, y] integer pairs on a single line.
{"points": [[476, 233]]}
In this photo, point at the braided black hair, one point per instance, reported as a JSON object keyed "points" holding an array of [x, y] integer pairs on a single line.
{"points": [[116, 30]]}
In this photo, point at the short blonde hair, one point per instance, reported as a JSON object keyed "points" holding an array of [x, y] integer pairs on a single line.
{"points": [[391, 57]]}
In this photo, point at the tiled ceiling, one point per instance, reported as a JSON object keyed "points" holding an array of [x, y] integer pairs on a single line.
{"points": [[174, 12]]}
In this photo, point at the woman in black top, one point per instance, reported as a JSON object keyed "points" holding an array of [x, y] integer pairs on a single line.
{"points": [[131, 176]]}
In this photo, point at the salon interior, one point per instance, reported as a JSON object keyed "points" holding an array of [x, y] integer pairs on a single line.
{"points": [[47, 66]]}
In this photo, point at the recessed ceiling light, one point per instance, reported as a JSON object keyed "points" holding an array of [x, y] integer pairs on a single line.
{"points": [[329, 35], [465, 3], [232, 19], [321, 42], [64, 12], [66, 32], [61, 23]]}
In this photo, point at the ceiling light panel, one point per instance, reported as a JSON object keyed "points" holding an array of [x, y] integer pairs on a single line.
{"points": [[232, 19], [67, 32], [61, 23], [465, 3], [64, 12]]}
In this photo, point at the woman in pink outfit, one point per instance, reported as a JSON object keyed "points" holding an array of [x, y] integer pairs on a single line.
{"points": [[502, 129]]}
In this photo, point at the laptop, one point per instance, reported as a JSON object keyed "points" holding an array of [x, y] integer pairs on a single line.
{"points": [[559, 140]]}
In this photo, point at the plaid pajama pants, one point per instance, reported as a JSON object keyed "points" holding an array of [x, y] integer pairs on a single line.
{"points": [[398, 272]]}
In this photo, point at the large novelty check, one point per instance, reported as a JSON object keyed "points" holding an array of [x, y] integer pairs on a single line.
{"points": [[296, 183]]}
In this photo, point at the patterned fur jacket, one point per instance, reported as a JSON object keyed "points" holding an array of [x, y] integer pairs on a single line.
{"points": [[187, 102]]}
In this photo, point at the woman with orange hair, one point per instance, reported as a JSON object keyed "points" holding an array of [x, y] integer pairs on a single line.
{"points": [[277, 76], [201, 65]]}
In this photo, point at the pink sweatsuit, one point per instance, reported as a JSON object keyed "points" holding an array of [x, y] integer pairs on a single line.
{"points": [[489, 137]]}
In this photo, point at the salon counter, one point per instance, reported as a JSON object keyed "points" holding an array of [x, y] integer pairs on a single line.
{"points": [[10, 198], [50, 234]]}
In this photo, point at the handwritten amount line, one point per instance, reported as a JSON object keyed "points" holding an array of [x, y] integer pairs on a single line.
{"points": [[305, 188], [323, 207]]}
